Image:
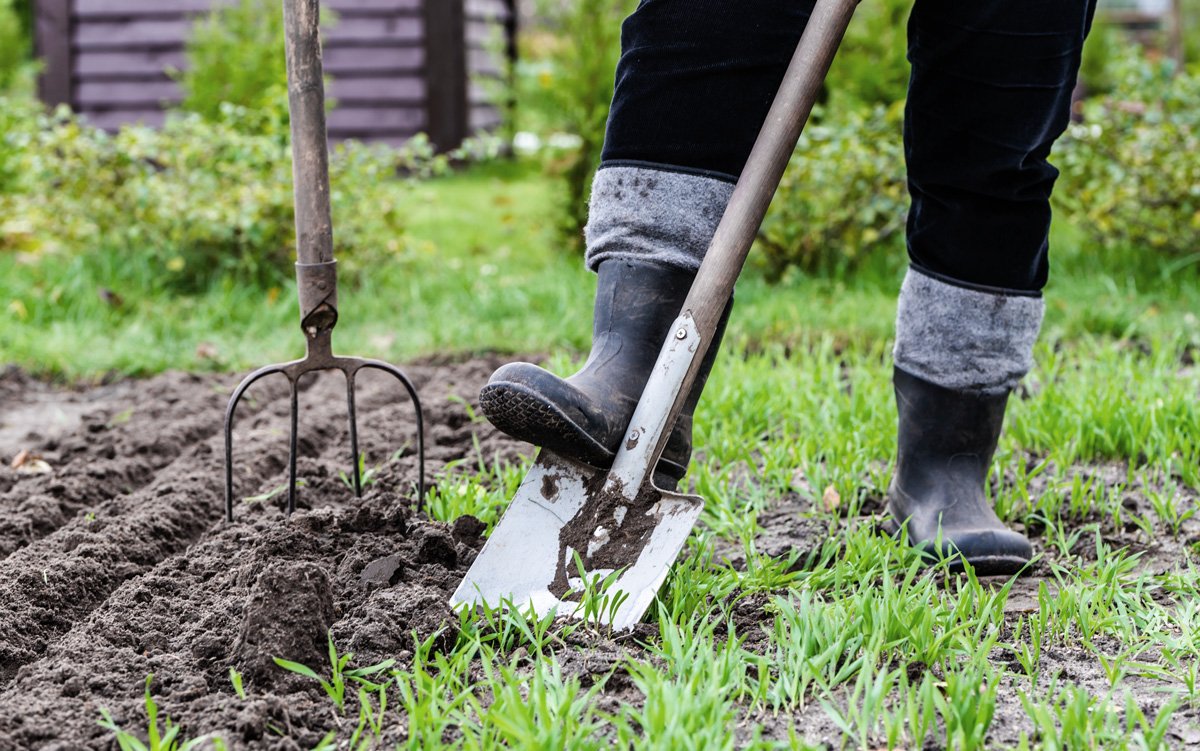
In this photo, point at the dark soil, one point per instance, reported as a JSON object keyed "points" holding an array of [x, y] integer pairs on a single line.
{"points": [[117, 563]]}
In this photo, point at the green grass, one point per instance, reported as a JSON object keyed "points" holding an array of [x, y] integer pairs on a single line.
{"points": [[479, 268], [853, 642]]}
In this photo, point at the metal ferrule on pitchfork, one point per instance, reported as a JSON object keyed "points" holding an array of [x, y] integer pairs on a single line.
{"points": [[316, 269]]}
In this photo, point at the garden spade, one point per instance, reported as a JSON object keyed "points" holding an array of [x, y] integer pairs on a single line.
{"points": [[595, 543], [316, 270]]}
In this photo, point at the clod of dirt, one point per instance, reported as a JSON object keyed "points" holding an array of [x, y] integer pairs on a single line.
{"points": [[382, 571], [288, 615], [437, 546], [387, 622], [468, 530], [622, 527]]}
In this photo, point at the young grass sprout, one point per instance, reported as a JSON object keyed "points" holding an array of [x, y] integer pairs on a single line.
{"points": [[340, 671]]}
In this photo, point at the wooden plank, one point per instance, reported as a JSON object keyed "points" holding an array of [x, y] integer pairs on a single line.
{"points": [[134, 32], [100, 9], [88, 10], [365, 58], [407, 28], [370, 125], [446, 71], [52, 43], [479, 92], [484, 34], [347, 7], [113, 119], [368, 120], [150, 63], [148, 92], [489, 10], [125, 94], [485, 118], [482, 63], [378, 91], [339, 61]]}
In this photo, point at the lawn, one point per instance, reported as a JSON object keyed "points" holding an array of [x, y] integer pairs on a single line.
{"points": [[789, 622]]}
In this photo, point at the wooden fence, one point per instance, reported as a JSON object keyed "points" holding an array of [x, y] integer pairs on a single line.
{"points": [[399, 67]]}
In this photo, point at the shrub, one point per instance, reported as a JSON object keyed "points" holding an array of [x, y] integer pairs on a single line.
{"points": [[872, 66], [1130, 177], [844, 194], [235, 55], [195, 200], [14, 44], [572, 84], [1103, 45], [17, 114]]}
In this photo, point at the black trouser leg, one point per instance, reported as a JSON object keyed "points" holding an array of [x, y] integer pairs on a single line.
{"points": [[990, 93], [696, 78]]}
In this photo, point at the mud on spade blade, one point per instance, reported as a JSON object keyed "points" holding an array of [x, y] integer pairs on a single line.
{"points": [[563, 509], [612, 522]]}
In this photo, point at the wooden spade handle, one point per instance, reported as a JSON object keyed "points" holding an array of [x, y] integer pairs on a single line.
{"points": [[713, 286]]}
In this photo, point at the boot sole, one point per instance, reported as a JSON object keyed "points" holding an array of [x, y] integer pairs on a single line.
{"points": [[521, 412]]}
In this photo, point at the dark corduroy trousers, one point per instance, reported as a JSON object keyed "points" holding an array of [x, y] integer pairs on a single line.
{"points": [[989, 94]]}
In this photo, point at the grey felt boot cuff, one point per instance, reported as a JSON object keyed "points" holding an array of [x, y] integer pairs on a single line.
{"points": [[962, 338], [656, 215]]}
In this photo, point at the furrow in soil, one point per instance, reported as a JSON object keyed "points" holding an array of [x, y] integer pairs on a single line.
{"points": [[118, 446], [52, 585]]}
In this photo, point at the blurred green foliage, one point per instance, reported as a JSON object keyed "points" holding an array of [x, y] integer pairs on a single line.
{"points": [[195, 200], [843, 195], [872, 66], [1191, 34], [568, 85], [1130, 175], [235, 55], [14, 42], [1100, 51]]}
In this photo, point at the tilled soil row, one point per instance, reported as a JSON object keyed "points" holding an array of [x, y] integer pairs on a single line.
{"points": [[153, 581], [115, 451]]}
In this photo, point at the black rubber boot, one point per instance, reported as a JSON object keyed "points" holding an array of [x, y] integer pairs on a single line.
{"points": [[946, 441], [584, 416]]}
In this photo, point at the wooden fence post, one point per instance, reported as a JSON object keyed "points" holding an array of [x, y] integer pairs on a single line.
{"points": [[52, 43], [446, 72]]}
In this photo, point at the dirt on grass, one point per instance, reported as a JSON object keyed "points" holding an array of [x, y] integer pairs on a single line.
{"points": [[116, 562]]}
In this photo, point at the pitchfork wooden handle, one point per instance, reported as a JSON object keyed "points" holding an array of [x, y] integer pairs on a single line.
{"points": [[310, 149], [316, 273]]}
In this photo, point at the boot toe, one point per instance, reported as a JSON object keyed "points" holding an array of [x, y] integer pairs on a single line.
{"points": [[536, 406], [991, 552]]}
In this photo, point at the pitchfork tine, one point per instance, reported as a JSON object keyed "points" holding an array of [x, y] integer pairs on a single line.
{"points": [[412, 393], [292, 440], [229, 410], [353, 433]]}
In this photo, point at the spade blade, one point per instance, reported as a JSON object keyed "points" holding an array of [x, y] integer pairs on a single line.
{"points": [[560, 517]]}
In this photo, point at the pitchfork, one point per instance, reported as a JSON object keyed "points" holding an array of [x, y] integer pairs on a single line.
{"points": [[316, 271]]}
